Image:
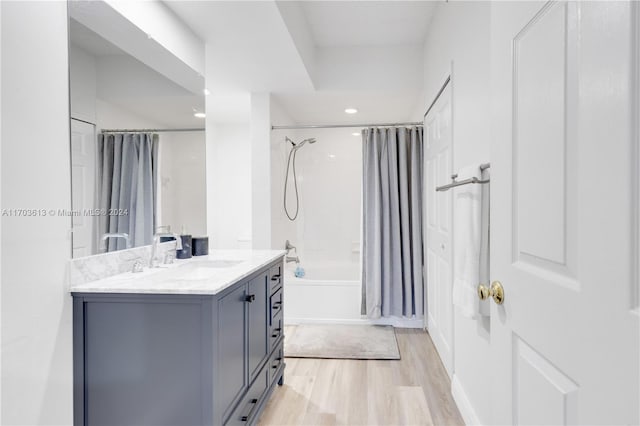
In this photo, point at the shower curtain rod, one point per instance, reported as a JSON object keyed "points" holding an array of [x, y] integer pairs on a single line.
{"points": [[150, 130], [334, 126]]}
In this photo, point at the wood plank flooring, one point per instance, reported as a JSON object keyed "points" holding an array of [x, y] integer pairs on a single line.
{"points": [[412, 391]]}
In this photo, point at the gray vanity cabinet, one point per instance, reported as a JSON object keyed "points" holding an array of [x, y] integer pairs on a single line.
{"points": [[177, 359]]}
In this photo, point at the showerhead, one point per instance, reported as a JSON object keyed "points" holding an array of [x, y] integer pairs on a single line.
{"points": [[310, 140]]}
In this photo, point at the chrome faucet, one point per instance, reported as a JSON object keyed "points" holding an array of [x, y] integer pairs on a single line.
{"points": [[108, 235], [288, 246], [153, 262]]}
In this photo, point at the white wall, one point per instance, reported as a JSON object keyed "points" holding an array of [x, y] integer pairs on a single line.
{"points": [[110, 116], [85, 104], [228, 172], [459, 38], [329, 174], [36, 307], [467, 52], [82, 69], [281, 227], [261, 104]]}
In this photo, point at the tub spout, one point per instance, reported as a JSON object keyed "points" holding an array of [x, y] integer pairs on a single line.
{"points": [[292, 259]]}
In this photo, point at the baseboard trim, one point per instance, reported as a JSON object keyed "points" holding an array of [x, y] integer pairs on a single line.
{"points": [[394, 321], [464, 405]]}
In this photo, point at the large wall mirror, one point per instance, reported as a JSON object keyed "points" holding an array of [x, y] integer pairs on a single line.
{"points": [[137, 141]]}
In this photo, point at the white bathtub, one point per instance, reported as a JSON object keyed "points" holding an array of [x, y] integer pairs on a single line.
{"points": [[329, 292]]}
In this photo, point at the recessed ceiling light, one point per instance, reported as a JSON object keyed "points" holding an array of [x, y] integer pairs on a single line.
{"points": [[200, 115], [356, 133], [206, 91], [350, 110]]}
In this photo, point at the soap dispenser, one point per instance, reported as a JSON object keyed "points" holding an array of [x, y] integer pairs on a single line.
{"points": [[185, 253]]}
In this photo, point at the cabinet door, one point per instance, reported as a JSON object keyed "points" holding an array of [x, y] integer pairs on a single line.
{"points": [[257, 321], [232, 351]]}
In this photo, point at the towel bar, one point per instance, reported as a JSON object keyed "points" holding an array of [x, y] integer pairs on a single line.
{"points": [[455, 183]]}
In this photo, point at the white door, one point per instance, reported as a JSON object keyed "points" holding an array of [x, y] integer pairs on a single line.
{"points": [[438, 235], [83, 193], [565, 341]]}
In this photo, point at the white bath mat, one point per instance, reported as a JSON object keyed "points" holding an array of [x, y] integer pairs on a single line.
{"points": [[341, 342]]}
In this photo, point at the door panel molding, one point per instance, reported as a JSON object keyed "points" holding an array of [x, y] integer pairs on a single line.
{"points": [[545, 143], [542, 393]]}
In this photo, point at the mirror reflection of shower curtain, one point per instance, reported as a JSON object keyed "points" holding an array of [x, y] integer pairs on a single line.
{"points": [[392, 252], [127, 168]]}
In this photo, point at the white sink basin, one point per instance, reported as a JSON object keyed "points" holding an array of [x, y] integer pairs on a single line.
{"points": [[213, 263], [202, 269], [197, 273]]}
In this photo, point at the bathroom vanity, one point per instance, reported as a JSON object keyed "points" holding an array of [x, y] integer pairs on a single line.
{"points": [[196, 343]]}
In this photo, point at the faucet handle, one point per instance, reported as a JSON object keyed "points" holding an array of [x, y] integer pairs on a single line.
{"points": [[138, 266]]}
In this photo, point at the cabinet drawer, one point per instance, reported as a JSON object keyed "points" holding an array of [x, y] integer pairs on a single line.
{"points": [[275, 277], [275, 305], [246, 411], [276, 330], [276, 360]]}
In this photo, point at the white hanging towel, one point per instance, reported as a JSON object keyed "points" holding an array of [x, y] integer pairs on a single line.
{"points": [[467, 233]]}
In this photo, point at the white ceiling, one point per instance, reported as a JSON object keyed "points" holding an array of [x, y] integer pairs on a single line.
{"points": [[248, 47], [307, 53], [368, 23], [316, 57], [328, 107]]}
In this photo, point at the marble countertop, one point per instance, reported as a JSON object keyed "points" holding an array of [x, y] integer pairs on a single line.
{"points": [[199, 275]]}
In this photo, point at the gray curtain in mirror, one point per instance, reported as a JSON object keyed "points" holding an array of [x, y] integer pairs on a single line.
{"points": [[392, 252], [127, 167]]}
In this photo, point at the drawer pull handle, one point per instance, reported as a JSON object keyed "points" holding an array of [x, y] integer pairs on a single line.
{"points": [[275, 278], [277, 305], [250, 298], [248, 416]]}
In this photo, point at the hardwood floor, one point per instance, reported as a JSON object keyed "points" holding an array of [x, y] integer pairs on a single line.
{"points": [[412, 391]]}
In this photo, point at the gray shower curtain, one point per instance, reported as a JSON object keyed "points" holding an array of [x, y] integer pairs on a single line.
{"points": [[127, 168], [392, 259]]}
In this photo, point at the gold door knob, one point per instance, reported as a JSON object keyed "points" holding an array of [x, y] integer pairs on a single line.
{"points": [[483, 292], [497, 292]]}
